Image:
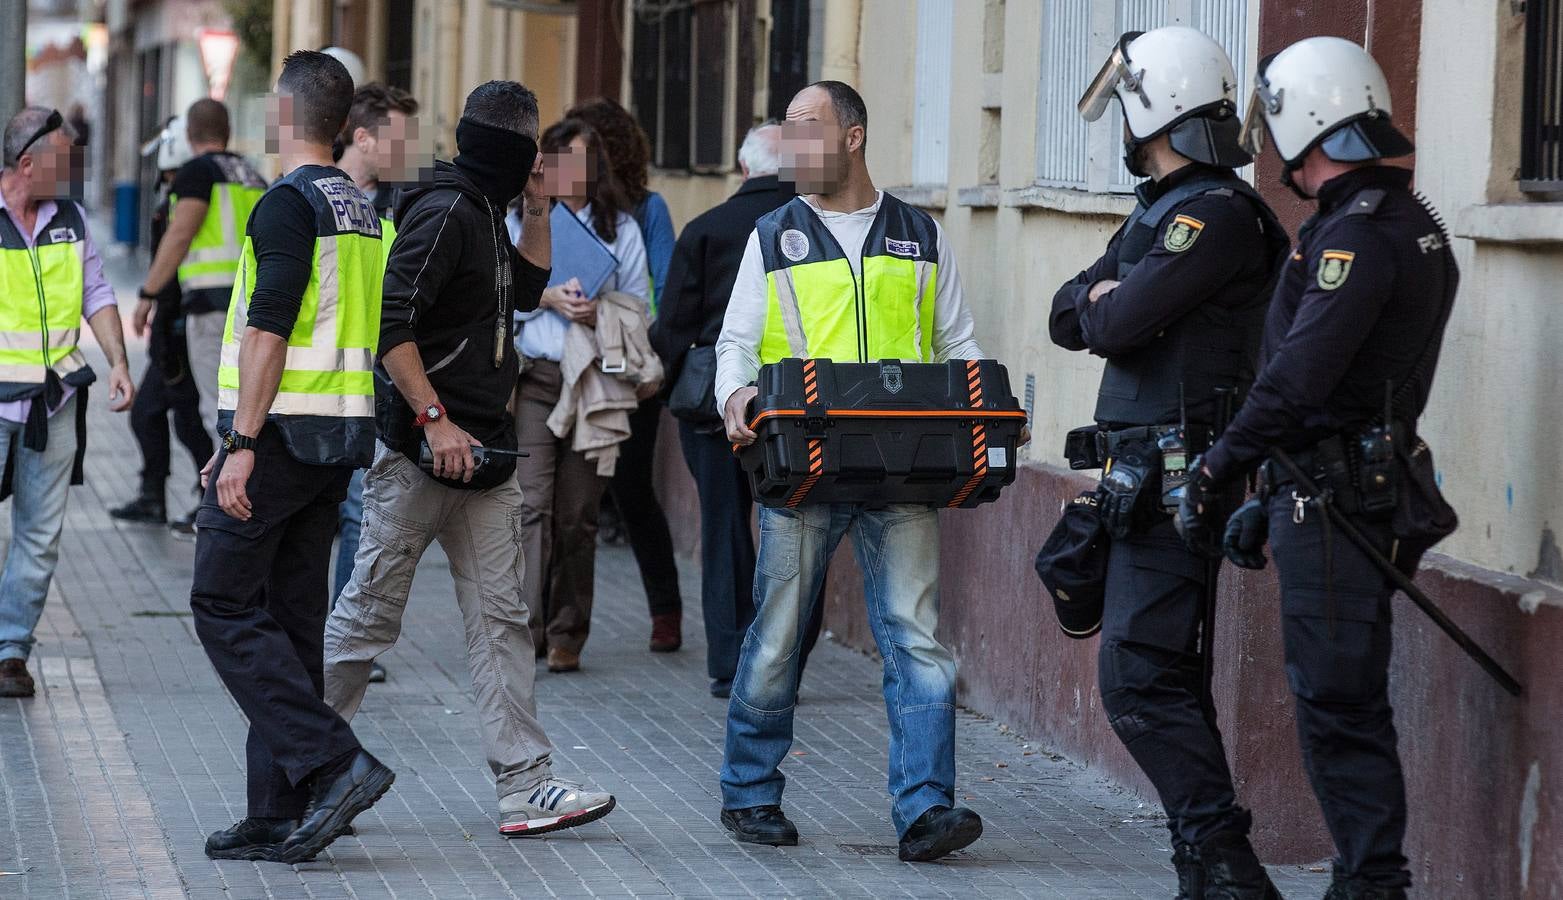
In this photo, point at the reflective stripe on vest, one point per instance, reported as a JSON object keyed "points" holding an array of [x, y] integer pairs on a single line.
{"points": [[213, 258], [330, 354], [41, 294], [818, 308]]}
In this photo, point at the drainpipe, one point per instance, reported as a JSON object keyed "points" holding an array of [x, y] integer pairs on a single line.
{"points": [[843, 26]]}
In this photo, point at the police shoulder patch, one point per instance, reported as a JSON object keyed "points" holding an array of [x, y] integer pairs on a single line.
{"points": [[1182, 233], [1334, 267]]}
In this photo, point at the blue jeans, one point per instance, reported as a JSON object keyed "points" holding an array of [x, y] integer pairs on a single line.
{"points": [[898, 550], [40, 482], [350, 520]]}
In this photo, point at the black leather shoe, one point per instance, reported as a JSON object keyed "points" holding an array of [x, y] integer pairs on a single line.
{"points": [[1191, 872], [14, 679], [1232, 871], [333, 804], [939, 832], [143, 510], [761, 825], [721, 687], [257, 840]]}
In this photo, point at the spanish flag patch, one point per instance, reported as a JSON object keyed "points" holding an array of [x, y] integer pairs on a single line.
{"points": [[1182, 233]]}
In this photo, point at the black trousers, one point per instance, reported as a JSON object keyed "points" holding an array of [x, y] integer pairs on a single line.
{"points": [[155, 400], [727, 552], [1152, 683], [260, 599], [644, 521], [1336, 627]]}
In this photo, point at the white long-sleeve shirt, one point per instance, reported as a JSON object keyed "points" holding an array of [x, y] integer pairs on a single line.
{"points": [[738, 349], [542, 334]]}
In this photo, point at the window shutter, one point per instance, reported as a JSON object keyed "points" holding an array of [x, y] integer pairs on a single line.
{"points": [[931, 115]]}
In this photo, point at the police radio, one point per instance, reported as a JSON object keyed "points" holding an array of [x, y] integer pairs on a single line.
{"points": [[1376, 461], [1174, 448]]}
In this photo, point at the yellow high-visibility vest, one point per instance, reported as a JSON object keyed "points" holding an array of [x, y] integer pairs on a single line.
{"points": [[325, 401], [41, 294], [819, 308], [212, 262]]}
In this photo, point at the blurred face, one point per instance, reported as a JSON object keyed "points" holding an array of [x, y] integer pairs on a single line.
{"points": [[54, 168], [570, 172], [281, 136], [815, 150], [400, 151]]}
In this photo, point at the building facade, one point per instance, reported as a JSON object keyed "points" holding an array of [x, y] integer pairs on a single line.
{"points": [[972, 117]]}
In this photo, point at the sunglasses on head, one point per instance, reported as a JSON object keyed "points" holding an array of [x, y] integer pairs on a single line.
{"points": [[54, 123]]}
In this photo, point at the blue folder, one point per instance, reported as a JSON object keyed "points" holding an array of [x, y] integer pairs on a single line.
{"points": [[578, 253]]}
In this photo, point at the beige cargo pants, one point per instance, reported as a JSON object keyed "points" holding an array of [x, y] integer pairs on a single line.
{"points": [[404, 510]]}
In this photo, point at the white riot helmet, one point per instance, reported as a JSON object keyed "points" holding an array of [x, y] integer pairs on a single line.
{"points": [[171, 146], [349, 61], [1175, 81], [1323, 92]]}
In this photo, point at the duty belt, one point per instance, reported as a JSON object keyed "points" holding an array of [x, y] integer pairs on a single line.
{"points": [[1331, 463], [1196, 437]]}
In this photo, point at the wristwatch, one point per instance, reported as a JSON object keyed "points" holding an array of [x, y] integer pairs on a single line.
{"points": [[233, 440], [141, 293], [431, 413]]}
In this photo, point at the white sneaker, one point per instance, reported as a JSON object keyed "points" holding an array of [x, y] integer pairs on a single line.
{"points": [[553, 805]]}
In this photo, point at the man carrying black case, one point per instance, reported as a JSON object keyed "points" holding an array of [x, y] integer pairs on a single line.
{"points": [[849, 274]]}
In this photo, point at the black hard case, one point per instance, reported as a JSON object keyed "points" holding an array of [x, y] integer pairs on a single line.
{"points": [[943, 434]]}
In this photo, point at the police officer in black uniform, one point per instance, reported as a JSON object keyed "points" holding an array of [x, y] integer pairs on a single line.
{"points": [[1352, 339], [1175, 305]]}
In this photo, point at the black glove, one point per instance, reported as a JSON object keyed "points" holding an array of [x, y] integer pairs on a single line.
{"points": [[1244, 543], [1196, 518]]}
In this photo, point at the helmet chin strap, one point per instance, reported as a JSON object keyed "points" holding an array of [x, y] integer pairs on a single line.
{"points": [[1291, 183], [1134, 158]]}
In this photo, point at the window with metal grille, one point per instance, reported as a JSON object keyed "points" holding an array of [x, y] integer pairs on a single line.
{"points": [[1541, 129], [789, 59], [692, 75], [1077, 36], [660, 66]]}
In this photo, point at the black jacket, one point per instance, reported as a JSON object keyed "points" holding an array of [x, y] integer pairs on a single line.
{"points": [[1358, 304], [704, 267], [452, 285], [1218, 276]]}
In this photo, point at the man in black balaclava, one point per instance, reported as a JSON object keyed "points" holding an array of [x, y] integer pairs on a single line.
{"points": [[447, 367]]}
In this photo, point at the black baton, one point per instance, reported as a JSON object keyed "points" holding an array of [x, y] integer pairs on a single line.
{"points": [[1401, 579]]}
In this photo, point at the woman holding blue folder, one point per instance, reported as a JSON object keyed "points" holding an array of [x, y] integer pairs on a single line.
{"points": [[597, 248]]}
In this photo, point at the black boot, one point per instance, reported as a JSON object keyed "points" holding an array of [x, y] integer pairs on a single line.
{"points": [[1344, 887], [1191, 872], [146, 510], [939, 832], [257, 840], [1232, 871], [339, 793]]}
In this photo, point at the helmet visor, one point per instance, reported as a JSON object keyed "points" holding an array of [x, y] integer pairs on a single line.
{"points": [[1114, 71], [1096, 97], [1252, 137]]}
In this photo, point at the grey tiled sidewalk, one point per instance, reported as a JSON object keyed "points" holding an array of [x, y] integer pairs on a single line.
{"points": [[132, 751]]}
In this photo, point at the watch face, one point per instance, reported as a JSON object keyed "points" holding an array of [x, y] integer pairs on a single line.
{"points": [[432, 413]]}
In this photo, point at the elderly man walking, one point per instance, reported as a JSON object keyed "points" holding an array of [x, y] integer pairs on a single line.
{"points": [[51, 278]]}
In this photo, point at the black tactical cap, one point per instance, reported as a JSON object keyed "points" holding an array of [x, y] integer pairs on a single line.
{"points": [[1073, 566]]}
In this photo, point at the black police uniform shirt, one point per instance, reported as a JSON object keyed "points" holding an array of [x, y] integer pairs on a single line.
{"points": [[1357, 303], [1219, 255]]}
